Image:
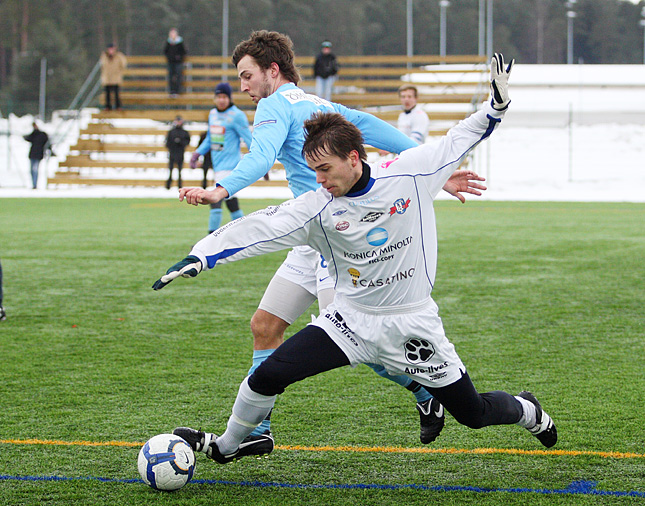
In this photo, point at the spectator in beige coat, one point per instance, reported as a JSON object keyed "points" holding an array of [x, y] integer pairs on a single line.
{"points": [[113, 63]]}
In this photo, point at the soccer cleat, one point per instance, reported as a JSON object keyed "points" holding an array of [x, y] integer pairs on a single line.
{"points": [[432, 419], [3, 314], [197, 439], [544, 428], [205, 442], [251, 445]]}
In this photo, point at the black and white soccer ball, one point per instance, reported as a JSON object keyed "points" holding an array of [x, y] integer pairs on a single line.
{"points": [[166, 462]]}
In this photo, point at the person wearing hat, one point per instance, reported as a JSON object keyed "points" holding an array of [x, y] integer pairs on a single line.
{"points": [[176, 142], [113, 63], [325, 70], [227, 125]]}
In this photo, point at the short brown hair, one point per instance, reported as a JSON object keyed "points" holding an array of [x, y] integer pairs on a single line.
{"points": [[407, 87], [267, 47], [331, 133]]}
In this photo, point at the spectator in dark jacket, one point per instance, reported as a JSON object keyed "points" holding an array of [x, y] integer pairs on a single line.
{"points": [[176, 143], [175, 52], [325, 70], [39, 140]]}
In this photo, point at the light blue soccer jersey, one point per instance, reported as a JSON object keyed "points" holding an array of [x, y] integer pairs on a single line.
{"points": [[225, 129], [278, 134]]}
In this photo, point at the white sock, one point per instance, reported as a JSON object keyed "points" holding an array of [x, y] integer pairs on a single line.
{"points": [[529, 413], [249, 410]]}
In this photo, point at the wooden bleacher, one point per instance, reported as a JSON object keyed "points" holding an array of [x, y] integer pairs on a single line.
{"points": [[127, 147]]}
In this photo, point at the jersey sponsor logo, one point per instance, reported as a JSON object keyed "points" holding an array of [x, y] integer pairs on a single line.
{"points": [[400, 206], [378, 252], [355, 274], [338, 321], [377, 236], [387, 163], [395, 278], [418, 350], [265, 122], [295, 96], [365, 201], [371, 217], [217, 134], [338, 213], [342, 225]]}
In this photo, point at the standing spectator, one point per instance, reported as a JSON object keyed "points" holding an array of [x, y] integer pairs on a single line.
{"points": [[227, 125], [325, 70], [3, 314], [413, 121], [176, 143], [175, 52], [206, 161], [113, 63], [39, 140]]}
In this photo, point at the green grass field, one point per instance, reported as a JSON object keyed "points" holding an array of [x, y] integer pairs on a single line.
{"points": [[541, 296]]}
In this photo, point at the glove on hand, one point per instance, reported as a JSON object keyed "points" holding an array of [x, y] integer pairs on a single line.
{"points": [[499, 82], [194, 159], [189, 267]]}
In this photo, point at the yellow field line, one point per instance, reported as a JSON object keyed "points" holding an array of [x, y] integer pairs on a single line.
{"points": [[370, 449]]}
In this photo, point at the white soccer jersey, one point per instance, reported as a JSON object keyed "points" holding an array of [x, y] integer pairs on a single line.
{"points": [[414, 124], [380, 243]]}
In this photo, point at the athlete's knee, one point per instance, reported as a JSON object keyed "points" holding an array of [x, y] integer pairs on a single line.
{"points": [[272, 377], [268, 330]]}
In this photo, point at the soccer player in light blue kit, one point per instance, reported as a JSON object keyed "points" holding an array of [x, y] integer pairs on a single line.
{"points": [[226, 126], [265, 65]]}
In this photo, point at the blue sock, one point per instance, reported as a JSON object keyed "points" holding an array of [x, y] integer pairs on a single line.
{"points": [[214, 219], [420, 393], [237, 214], [260, 356]]}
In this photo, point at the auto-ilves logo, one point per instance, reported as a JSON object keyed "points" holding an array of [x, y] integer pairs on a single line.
{"points": [[418, 350], [377, 236]]}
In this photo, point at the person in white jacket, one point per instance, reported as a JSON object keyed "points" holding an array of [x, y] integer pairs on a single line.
{"points": [[376, 228], [413, 121]]}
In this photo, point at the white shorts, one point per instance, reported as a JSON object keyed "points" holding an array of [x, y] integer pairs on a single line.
{"points": [[307, 270], [412, 343]]}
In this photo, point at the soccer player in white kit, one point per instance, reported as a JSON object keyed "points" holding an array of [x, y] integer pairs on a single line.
{"points": [[265, 65], [384, 271]]}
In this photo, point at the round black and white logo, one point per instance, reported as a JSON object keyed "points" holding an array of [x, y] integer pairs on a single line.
{"points": [[418, 350]]}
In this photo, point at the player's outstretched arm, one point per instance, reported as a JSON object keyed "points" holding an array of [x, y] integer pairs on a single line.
{"points": [[196, 195], [189, 267], [464, 181]]}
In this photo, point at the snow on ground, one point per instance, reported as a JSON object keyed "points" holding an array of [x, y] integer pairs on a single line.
{"points": [[572, 133]]}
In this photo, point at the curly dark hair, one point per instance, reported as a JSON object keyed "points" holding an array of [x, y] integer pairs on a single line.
{"points": [[267, 47], [330, 133]]}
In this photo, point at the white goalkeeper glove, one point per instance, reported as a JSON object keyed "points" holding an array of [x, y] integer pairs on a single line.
{"points": [[189, 267], [499, 82]]}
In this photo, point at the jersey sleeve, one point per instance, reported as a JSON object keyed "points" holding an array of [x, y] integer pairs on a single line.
{"points": [[376, 132], [270, 130], [242, 125], [272, 229], [438, 160]]}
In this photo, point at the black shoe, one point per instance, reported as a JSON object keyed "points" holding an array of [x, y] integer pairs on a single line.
{"points": [[544, 428], [3, 314], [205, 442], [432, 419]]}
